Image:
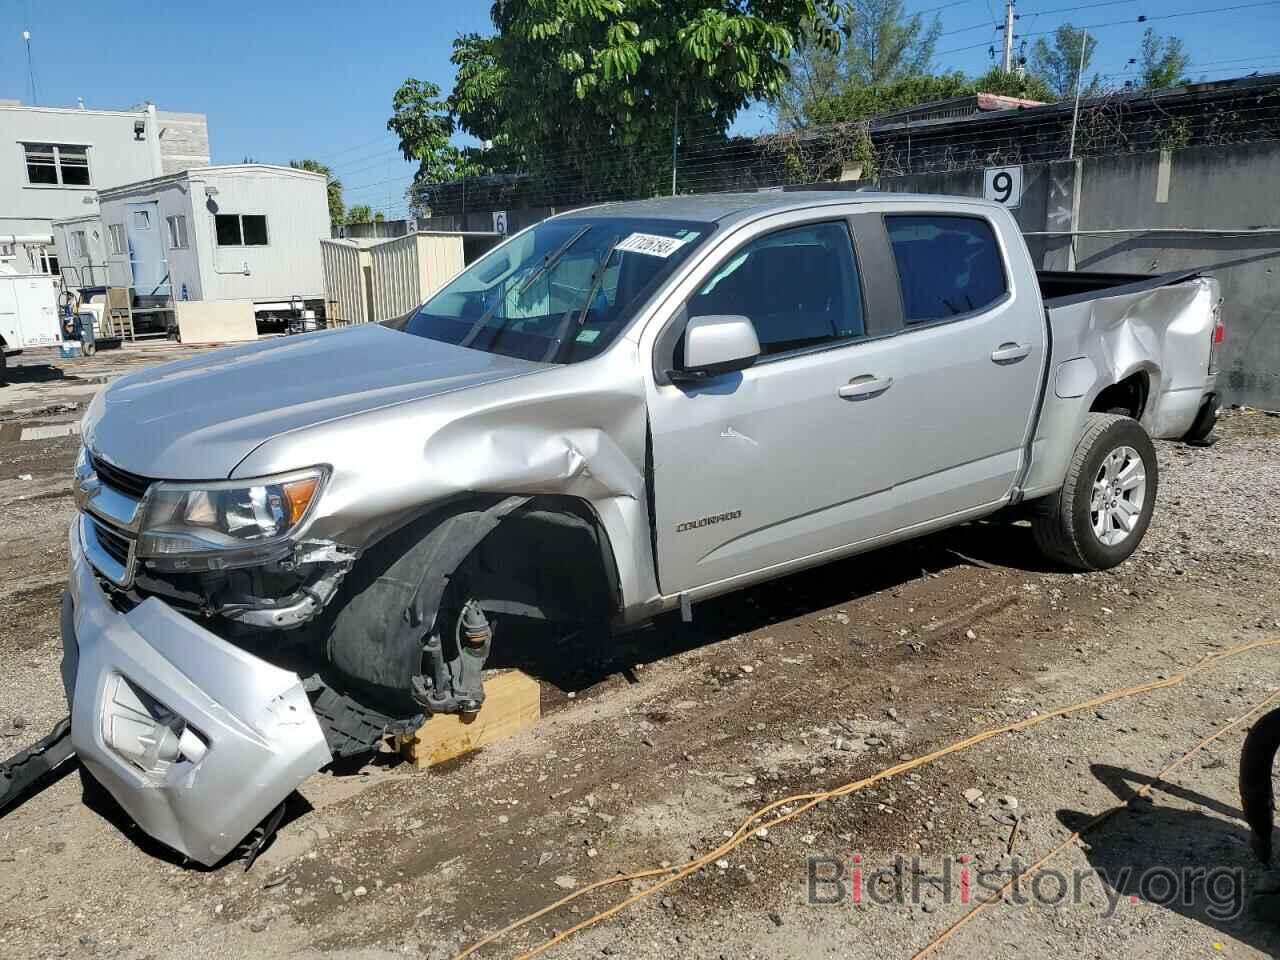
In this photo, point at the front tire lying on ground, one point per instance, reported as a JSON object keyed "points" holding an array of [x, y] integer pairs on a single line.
{"points": [[1101, 513]]}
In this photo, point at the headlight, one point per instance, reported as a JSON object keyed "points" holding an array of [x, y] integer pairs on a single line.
{"points": [[229, 523]]}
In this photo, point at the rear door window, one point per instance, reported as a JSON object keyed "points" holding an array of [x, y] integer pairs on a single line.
{"points": [[948, 266], [799, 287]]}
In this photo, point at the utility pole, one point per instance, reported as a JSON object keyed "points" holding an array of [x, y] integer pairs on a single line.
{"points": [[1008, 36], [1075, 114], [675, 130]]}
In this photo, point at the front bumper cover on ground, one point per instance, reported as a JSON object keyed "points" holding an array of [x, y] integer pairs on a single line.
{"points": [[195, 738]]}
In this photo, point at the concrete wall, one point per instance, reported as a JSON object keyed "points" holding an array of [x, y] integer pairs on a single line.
{"points": [[1164, 196], [116, 157]]}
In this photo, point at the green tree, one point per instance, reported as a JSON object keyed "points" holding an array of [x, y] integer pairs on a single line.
{"points": [[1058, 63], [337, 208], [884, 46], [1026, 86], [590, 90], [859, 102], [363, 213], [862, 102], [1164, 61]]}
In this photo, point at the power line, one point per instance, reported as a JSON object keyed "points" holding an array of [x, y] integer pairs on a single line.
{"points": [[338, 153], [1124, 23]]}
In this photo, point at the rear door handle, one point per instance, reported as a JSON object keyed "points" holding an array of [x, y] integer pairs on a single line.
{"points": [[865, 387], [1010, 352]]}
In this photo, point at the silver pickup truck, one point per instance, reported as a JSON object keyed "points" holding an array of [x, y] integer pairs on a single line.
{"points": [[287, 550]]}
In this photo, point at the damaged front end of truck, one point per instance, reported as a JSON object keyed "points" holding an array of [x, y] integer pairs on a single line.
{"points": [[226, 639]]}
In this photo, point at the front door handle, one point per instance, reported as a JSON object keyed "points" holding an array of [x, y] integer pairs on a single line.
{"points": [[865, 387], [1010, 352]]}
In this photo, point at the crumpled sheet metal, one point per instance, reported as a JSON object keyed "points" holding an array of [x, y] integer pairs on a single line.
{"points": [[581, 433], [262, 737], [1163, 331]]}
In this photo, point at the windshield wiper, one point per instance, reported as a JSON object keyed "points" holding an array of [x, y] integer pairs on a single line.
{"points": [[549, 261], [557, 345]]}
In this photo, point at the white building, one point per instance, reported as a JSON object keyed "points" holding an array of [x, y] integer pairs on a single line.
{"points": [[55, 160], [244, 232]]}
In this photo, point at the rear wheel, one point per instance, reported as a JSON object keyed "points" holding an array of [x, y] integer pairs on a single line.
{"points": [[1101, 513]]}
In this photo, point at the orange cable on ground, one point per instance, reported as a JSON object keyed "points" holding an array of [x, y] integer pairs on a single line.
{"points": [[810, 800], [1142, 792]]}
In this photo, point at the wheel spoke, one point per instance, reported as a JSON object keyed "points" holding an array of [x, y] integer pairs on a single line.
{"points": [[1132, 476]]}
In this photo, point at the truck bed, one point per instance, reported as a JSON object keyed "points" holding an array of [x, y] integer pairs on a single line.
{"points": [[1062, 287]]}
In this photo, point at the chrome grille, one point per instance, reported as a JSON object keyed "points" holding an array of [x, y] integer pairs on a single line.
{"points": [[122, 480], [113, 543]]}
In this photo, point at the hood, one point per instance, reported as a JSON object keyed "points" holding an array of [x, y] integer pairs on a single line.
{"points": [[196, 419]]}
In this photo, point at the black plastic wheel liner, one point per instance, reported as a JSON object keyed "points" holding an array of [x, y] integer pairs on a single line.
{"points": [[1257, 797], [375, 627]]}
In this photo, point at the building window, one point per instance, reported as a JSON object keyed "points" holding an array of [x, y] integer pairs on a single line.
{"points": [[57, 164], [241, 230], [79, 247], [177, 232], [115, 232]]}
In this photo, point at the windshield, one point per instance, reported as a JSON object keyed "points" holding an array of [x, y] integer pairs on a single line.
{"points": [[560, 292]]}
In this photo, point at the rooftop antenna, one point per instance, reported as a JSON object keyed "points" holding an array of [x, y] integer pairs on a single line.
{"points": [[31, 71]]}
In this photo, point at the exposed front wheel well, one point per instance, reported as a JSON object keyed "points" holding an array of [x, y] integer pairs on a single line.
{"points": [[1127, 398], [546, 557], [551, 559]]}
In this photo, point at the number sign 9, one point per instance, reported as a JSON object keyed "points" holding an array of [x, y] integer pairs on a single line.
{"points": [[1003, 185]]}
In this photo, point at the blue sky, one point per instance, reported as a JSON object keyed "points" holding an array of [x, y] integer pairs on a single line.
{"points": [[281, 82]]}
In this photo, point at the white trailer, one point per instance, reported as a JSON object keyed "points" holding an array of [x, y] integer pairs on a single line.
{"points": [[244, 232], [28, 312]]}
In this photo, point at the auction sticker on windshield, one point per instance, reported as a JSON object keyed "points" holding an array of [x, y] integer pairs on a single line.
{"points": [[651, 244]]}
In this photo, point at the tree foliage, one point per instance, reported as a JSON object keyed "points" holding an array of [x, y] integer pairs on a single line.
{"points": [[1025, 86], [591, 89], [337, 208], [363, 213], [1057, 63], [883, 46], [862, 102], [1164, 61]]}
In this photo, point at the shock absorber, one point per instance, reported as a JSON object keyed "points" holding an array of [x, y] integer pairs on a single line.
{"points": [[474, 636]]}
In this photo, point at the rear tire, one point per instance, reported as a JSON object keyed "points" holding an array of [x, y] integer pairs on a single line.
{"points": [[1100, 515]]}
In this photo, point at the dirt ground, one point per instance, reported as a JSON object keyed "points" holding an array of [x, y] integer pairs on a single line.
{"points": [[656, 744]]}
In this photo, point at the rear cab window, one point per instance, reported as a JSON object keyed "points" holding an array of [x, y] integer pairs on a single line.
{"points": [[948, 266]]}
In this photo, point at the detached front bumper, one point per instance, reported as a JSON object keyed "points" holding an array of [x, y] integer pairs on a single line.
{"points": [[195, 738]]}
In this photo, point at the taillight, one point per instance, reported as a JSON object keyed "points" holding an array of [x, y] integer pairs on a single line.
{"points": [[1219, 331]]}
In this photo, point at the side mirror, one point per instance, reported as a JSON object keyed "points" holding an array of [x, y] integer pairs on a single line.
{"points": [[716, 344]]}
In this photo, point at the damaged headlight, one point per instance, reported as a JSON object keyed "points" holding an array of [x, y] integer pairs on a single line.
{"points": [[211, 526]]}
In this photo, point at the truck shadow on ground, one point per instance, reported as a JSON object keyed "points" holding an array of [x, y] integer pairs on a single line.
{"points": [[96, 798], [572, 662], [1197, 863]]}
